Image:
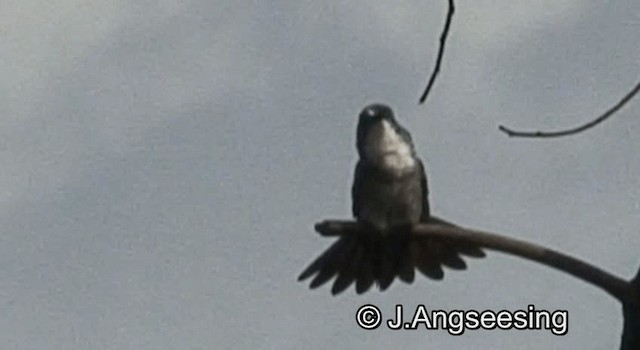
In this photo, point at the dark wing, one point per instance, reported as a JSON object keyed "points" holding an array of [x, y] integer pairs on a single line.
{"points": [[428, 255], [425, 193], [356, 188]]}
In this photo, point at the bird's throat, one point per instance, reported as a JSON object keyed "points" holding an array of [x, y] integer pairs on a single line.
{"points": [[389, 151]]}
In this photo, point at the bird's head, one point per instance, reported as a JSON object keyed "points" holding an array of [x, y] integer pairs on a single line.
{"points": [[381, 140]]}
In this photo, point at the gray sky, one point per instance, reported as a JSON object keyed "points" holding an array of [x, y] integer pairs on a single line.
{"points": [[164, 163]]}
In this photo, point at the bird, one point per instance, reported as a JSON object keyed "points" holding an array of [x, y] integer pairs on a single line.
{"points": [[389, 195]]}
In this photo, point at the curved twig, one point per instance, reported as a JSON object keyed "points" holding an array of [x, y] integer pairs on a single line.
{"points": [[615, 286], [591, 124], [443, 41]]}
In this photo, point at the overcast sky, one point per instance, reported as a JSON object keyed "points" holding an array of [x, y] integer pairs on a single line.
{"points": [[164, 163]]}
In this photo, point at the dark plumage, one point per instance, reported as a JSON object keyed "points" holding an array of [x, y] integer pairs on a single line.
{"points": [[389, 195]]}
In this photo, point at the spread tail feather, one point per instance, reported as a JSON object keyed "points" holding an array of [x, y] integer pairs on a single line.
{"points": [[365, 261]]}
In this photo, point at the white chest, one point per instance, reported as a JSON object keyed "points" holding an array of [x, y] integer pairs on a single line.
{"points": [[387, 149]]}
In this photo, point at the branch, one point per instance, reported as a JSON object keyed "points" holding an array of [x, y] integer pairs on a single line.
{"points": [[589, 125], [443, 41], [631, 313], [618, 288]]}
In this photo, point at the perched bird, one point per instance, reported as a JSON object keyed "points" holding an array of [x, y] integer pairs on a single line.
{"points": [[389, 195]]}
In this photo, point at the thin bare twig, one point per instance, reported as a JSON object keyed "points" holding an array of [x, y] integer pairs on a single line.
{"points": [[443, 41], [617, 287], [591, 124]]}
